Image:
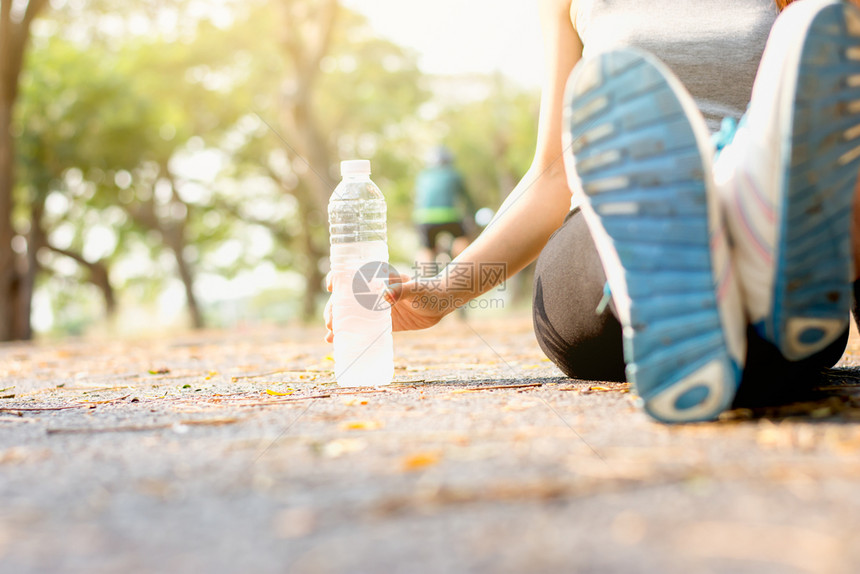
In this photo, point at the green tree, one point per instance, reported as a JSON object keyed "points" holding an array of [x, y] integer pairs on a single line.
{"points": [[330, 90], [493, 139], [105, 124], [75, 121]]}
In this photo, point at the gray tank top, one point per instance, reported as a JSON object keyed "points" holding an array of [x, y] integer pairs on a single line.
{"points": [[713, 46]]}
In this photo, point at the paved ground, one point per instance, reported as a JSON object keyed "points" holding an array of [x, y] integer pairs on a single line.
{"points": [[188, 455]]}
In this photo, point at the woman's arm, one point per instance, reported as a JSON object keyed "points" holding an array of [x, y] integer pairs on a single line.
{"points": [[531, 213], [538, 204]]}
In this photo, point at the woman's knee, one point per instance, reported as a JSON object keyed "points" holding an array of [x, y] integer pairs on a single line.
{"points": [[598, 358]]}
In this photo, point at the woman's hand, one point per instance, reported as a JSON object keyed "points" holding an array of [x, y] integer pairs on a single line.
{"points": [[415, 304]]}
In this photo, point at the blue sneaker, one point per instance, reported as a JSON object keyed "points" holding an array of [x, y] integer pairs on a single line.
{"points": [[787, 179], [640, 150]]}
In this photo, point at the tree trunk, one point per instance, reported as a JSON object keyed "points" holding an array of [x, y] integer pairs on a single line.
{"points": [[9, 310], [27, 273], [174, 236], [187, 278], [313, 275], [15, 291], [303, 129]]}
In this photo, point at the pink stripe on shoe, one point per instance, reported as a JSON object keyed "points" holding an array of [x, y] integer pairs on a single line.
{"points": [[724, 275], [723, 285], [766, 208], [759, 243]]}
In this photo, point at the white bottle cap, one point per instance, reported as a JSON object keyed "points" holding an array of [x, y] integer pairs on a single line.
{"points": [[355, 167]]}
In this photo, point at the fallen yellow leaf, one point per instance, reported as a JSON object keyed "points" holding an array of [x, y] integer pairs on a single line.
{"points": [[360, 425], [420, 460], [277, 394]]}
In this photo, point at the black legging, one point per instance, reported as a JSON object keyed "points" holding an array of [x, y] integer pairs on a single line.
{"points": [[569, 282]]}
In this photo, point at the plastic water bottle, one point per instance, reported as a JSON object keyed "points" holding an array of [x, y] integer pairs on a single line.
{"points": [[361, 318]]}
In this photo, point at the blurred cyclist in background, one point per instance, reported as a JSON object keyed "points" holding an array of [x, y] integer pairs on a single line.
{"points": [[442, 206]]}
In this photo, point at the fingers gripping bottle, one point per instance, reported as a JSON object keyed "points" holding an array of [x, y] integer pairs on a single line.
{"points": [[361, 318]]}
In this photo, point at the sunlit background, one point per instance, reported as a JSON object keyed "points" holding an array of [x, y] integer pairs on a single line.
{"points": [[173, 159]]}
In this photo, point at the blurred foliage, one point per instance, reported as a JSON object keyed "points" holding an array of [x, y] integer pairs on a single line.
{"points": [[166, 148], [493, 141]]}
